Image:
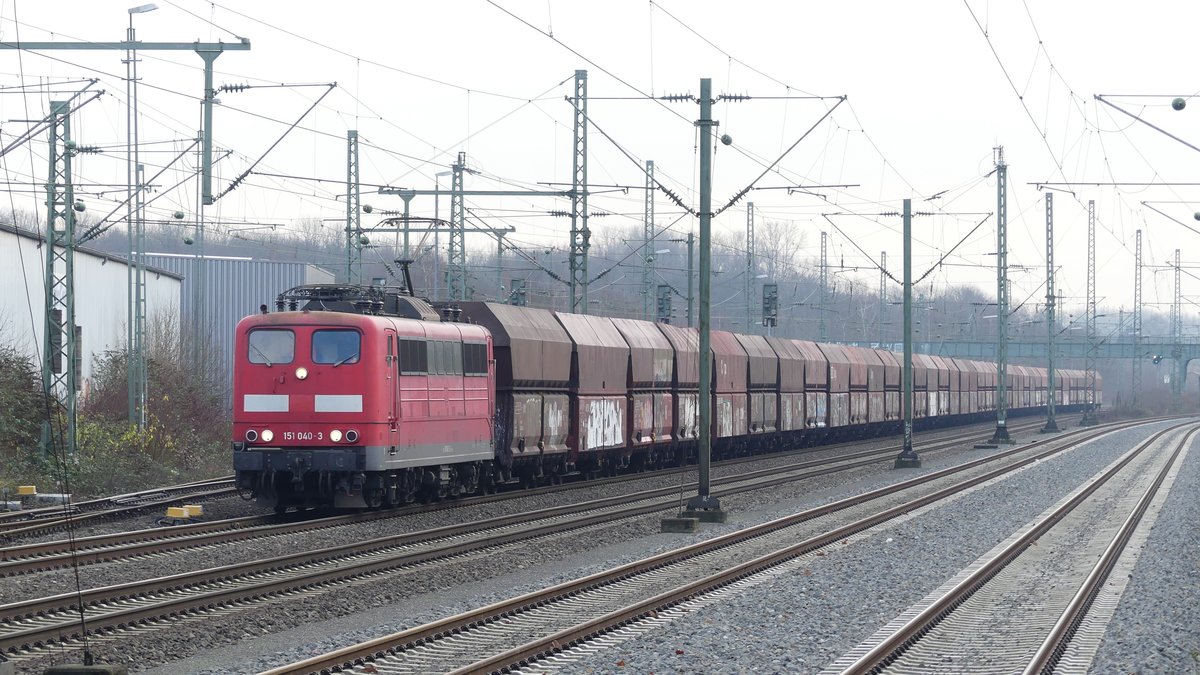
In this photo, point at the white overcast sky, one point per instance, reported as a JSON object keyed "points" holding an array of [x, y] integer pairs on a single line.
{"points": [[930, 89]]}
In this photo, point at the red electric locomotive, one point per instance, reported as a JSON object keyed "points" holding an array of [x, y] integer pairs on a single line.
{"points": [[359, 397]]}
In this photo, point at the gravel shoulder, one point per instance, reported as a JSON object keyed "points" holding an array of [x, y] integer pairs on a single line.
{"points": [[1156, 628]]}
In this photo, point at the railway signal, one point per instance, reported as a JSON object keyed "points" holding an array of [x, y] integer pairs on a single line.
{"points": [[664, 303], [770, 305]]}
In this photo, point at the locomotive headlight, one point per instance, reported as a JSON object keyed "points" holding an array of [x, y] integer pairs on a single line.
{"points": [[351, 436], [335, 436], [301, 373], [268, 435]]}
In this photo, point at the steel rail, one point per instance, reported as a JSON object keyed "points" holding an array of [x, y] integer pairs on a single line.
{"points": [[889, 649], [49, 523], [760, 478], [83, 506], [30, 521], [295, 572], [44, 556], [458, 624], [1051, 650]]}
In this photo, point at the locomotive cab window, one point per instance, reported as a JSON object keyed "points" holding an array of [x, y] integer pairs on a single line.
{"points": [[271, 345], [336, 347]]}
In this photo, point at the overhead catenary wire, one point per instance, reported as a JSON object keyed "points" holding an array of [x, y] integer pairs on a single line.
{"points": [[240, 178]]}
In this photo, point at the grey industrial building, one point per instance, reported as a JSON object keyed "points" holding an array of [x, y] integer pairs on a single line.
{"points": [[101, 296]]}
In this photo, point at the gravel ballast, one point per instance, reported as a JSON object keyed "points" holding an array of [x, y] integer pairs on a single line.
{"points": [[254, 639], [1156, 628], [19, 588], [799, 624]]}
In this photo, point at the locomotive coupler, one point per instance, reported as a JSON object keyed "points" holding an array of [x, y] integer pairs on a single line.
{"points": [[298, 474]]}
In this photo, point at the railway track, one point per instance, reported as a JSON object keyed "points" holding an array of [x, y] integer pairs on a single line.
{"points": [[515, 632], [15, 524], [43, 556], [1018, 607], [26, 625]]}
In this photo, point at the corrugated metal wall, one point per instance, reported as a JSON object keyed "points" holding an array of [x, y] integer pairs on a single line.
{"points": [[234, 288], [101, 297]]}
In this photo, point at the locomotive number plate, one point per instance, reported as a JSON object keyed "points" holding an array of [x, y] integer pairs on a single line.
{"points": [[302, 436]]}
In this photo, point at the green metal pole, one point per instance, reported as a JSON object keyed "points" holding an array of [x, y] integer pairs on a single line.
{"points": [[648, 243], [1051, 423], [1177, 380], [822, 329], [908, 458], [580, 234], [456, 272], [704, 503], [691, 310], [210, 95], [353, 246], [1001, 434], [749, 280], [59, 376], [407, 197], [1089, 415], [1137, 323]]}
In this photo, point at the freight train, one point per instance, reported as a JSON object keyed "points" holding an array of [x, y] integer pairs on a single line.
{"points": [[354, 397]]}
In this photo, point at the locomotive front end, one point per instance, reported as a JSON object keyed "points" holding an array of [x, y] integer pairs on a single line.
{"points": [[305, 410]]}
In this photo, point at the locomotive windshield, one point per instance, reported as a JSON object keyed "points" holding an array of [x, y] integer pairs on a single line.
{"points": [[271, 346], [336, 346]]}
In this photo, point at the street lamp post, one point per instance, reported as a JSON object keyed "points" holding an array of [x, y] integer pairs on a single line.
{"points": [[135, 357]]}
